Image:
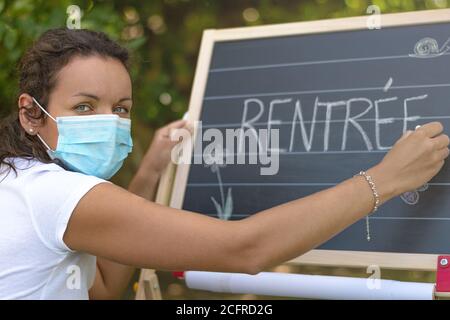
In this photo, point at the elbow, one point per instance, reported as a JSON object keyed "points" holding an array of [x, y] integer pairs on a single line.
{"points": [[248, 256], [254, 264], [245, 264], [253, 269], [104, 295]]}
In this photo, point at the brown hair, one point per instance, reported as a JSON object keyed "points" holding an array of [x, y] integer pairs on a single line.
{"points": [[38, 71]]}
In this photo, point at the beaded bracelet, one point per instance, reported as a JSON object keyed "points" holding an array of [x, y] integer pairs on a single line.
{"points": [[375, 196]]}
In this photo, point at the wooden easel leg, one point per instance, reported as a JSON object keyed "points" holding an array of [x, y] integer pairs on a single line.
{"points": [[148, 286]]}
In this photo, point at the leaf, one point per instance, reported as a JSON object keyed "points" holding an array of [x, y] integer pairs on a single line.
{"points": [[218, 207], [10, 38], [90, 6], [2, 29], [136, 43], [228, 208]]}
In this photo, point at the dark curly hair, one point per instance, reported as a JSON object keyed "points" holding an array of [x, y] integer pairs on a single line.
{"points": [[38, 69]]}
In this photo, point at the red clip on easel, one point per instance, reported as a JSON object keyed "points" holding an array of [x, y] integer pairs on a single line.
{"points": [[178, 274], [442, 289]]}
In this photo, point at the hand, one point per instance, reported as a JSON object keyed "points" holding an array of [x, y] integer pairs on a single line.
{"points": [[158, 155], [145, 181], [413, 161]]}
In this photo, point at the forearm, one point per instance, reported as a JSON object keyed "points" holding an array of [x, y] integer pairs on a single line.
{"points": [[131, 230], [111, 280], [289, 230], [145, 183]]}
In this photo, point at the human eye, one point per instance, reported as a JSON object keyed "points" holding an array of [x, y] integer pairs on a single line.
{"points": [[83, 108], [121, 110]]}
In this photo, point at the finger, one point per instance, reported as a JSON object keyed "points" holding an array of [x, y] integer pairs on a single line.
{"points": [[189, 127], [165, 131], [431, 129], [405, 135], [172, 127], [178, 134], [443, 153], [441, 141], [177, 124]]}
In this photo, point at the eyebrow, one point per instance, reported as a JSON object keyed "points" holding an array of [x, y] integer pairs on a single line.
{"points": [[93, 96], [125, 99], [89, 95]]}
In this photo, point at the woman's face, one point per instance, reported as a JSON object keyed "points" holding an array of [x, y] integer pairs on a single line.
{"points": [[85, 86]]}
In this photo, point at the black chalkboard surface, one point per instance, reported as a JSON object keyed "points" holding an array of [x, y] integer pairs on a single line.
{"points": [[357, 92]]}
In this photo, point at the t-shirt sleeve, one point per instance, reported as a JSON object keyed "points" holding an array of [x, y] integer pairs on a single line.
{"points": [[52, 195]]}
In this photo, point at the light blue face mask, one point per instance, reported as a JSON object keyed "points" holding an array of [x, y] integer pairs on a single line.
{"points": [[95, 145]]}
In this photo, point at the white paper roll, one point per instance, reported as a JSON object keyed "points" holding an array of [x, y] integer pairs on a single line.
{"points": [[308, 286]]}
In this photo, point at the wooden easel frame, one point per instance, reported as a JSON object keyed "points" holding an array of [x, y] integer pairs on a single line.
{"points": [[178, 178]]}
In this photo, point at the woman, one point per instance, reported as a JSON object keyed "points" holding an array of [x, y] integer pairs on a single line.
{"points": [[61, 218]]}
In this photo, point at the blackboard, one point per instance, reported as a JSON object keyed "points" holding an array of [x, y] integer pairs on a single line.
{"points": [[387, 81]]}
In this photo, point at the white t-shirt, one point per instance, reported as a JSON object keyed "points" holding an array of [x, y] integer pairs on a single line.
{"points": [[35, 207]]}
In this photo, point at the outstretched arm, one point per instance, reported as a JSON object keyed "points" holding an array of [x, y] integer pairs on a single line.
{"points": [[113, 223]]}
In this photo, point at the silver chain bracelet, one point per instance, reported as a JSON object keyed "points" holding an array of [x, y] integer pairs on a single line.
{"points": [[375, 196]]}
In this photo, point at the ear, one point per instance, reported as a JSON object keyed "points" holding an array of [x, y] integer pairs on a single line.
{"points": [[28, 115]]}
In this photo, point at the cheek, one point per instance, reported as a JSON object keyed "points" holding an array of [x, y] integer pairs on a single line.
{"points": [[49, 132]]}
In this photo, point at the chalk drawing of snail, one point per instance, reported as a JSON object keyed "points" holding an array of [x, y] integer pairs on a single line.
{"points": [[429, 48]]}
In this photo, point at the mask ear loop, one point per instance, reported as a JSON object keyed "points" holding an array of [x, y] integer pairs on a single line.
{"points": [[45, 111], [49, 115]]}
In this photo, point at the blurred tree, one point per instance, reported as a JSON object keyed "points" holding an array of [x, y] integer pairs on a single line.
{"points": [[163, 37]]}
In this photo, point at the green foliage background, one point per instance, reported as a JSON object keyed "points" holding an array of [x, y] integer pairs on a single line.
{"points": [[163, 37]]}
